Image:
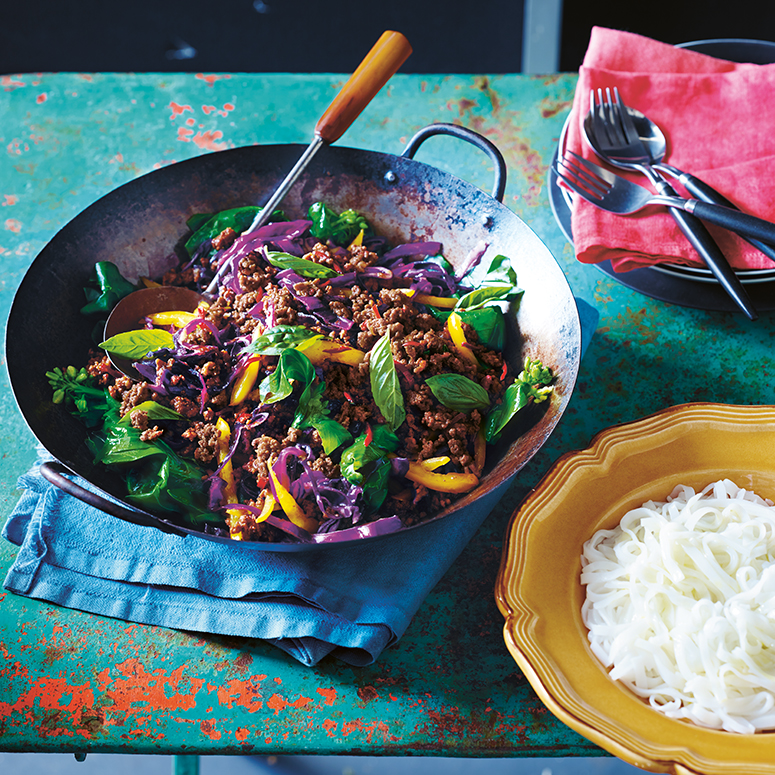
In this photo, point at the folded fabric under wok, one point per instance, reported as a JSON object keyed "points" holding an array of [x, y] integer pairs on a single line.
{"points": [[717, 116]]}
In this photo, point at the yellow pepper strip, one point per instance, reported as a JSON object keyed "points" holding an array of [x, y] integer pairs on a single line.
{"points": [[270, 504], [320, 351], [245, 382], [432, 463], [357, 241], [148, 283], [442, 482], [292, 509], [442, 302], [227, 472], [172, 318], [455, 328]]}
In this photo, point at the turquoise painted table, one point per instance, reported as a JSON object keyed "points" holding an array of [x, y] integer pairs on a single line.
{"points": [[71, 681]]}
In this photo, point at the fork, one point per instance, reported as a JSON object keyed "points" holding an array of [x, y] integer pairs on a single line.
{"points": [[611, 192], [616, 194], [610, 130]]}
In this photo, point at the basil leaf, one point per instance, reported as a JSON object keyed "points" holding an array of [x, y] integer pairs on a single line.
{"points": [[385, 386], [500, 271], [111, 286], [301, 266], [136, 345], [312, 413], [458, 392], [238, 218], [153, 410], [488, 322], [487, 294], [368, 465], [292, 366], [340, 229], [532, 384], [279, 338], [516, 397], [170, 484], [332, 433]]}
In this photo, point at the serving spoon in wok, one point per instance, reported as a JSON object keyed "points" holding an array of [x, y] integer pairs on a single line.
{"points": [[383, 60]]}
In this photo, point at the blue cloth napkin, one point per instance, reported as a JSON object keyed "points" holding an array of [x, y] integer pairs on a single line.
{"points": [[350, 602]]}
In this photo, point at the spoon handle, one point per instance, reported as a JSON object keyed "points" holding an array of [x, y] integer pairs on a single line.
{"points": [[704, 192], [385, 57]]}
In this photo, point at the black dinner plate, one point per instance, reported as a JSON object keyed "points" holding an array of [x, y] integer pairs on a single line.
{"points": [[685, 286]]}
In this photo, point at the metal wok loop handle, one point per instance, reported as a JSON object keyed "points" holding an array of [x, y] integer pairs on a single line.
{"points": [[453, 130], [54, 472]]}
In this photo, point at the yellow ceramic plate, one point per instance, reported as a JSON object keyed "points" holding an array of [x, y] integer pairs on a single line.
{"points": [[539, 593]]}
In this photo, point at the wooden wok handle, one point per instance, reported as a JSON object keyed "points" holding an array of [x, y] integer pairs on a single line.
{"points": [[387, 55]]}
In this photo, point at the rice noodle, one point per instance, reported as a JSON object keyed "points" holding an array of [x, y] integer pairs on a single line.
{"points": [[680, 605]]}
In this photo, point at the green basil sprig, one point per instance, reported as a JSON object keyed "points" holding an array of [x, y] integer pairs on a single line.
{"points": [[110, 287], [313, 413], [532, 384], [295, 367], [488, 322], [153, 410], [341, 229], [366, 463], [292, 366], [279, 338], [301, 266], [385, 386], [135, 345], [458, 392]]}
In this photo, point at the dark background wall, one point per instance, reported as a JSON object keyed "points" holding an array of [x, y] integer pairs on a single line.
{"points": [[483, 36], [672, 21]]}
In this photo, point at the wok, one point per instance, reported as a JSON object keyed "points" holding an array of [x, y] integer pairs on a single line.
{"points": [[140, 226]]}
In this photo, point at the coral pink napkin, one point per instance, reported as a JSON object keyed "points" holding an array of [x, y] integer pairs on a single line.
{"points": [[719, 120]]}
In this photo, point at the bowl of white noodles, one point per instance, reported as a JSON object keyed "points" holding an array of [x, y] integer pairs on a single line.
{"points": [[638, 588]]}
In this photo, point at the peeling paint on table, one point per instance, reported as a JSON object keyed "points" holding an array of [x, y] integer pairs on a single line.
{"points": [[70, 681]]}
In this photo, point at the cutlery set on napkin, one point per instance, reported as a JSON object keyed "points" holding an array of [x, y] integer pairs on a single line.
{"points": [[643, 113]]}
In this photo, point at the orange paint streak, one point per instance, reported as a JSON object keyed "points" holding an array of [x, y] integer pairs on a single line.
{"points": [[10, 199], [241, 734], [207, 729], [208, 109], [378, 727], [211, 79], [41, 98], [244, 694], [54, 694], [177, 110], [209, 140], [330, 726], [190, 122], [142, 688], [278, 703], [329, 694], [184, 135], [13, 225], [9, 84]]}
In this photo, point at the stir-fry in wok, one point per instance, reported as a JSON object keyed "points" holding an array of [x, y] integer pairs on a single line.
{"points": [[334, 385]]}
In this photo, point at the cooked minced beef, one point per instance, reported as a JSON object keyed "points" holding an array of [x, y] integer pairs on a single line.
{"points": [[356, 314]]}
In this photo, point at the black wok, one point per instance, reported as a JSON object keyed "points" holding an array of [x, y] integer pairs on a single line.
{"points": [[140, 225]]}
